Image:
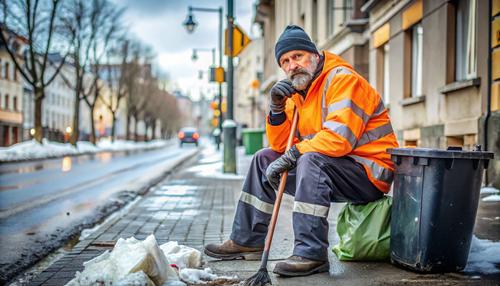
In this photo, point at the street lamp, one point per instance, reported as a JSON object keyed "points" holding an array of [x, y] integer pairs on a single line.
{"points": [[194, 56], [190, 25]]}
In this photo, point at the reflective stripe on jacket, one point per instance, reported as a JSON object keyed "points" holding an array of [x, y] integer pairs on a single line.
{"points": [[341, 115]]}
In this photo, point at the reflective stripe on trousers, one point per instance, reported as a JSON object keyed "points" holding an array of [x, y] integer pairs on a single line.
{"points": [[315, 183]]}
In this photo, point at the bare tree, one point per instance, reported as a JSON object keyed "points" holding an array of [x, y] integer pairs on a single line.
{"points": [[92, 24], [138, 86], [39, 23], [105, 24], [116, 78]]}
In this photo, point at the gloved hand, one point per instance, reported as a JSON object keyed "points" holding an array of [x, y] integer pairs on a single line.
{"points": [[279, 93], [286, 162]]}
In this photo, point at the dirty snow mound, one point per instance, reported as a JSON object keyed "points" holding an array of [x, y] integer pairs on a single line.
{"points": [[197, 276], [181, 255], [484, 256], [128, 256]]}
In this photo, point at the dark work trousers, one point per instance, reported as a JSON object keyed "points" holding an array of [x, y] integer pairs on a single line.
{"points": [[317, 181]]}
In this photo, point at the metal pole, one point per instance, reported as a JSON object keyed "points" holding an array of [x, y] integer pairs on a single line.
{"points": [[220, 83], [229, 123]]}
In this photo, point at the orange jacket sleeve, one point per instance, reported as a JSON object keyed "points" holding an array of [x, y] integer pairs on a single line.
{"points": [[277, 135]]}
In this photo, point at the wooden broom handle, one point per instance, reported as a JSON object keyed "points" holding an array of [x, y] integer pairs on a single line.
{"points": [[281, 188]]}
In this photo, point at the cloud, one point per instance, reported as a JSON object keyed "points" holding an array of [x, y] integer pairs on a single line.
{"points": [[158, 23]]}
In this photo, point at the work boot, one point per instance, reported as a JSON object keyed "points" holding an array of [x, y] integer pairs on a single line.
{"points": [[230, 250], [300, 266]]}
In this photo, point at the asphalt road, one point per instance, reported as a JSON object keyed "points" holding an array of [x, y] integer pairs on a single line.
{"points": [[44, 203]]}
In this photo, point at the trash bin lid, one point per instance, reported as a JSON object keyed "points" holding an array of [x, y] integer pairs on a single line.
{"points": [[253, 130], [455, 153]]}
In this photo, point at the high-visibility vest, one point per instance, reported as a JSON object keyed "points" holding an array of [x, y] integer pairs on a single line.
{"points": [[341, 115]]}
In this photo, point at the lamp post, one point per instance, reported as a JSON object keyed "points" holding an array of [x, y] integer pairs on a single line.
{"points": [[190, 25], [194, 56], [230, 124]]}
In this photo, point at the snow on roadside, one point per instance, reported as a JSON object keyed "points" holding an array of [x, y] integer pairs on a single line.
{"points": [[48, 149], [135, 262], [484, 256]]}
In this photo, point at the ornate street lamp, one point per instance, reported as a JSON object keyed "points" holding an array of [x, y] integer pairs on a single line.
{"points": [[189, 23]]}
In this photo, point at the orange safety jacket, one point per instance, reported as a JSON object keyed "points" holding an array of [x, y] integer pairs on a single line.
{"points": [[341, 115]]}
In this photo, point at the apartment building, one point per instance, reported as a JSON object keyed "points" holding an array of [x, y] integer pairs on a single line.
{"points": [[249, 105], [11, 99], [436, 63]]}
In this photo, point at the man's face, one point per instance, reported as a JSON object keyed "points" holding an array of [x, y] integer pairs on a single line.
{"points": [[299, 67]]}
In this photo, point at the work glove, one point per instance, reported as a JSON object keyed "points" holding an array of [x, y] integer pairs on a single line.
{"points": [[285, 162], [279, 93]]}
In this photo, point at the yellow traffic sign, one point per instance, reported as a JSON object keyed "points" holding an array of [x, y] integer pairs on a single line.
{"points": [[240, 41]]}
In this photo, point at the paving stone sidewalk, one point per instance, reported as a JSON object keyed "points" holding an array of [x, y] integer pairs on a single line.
{"points": [[194, 209]]}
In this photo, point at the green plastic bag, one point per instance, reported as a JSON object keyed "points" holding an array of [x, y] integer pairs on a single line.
{"points": [[364, 231]]}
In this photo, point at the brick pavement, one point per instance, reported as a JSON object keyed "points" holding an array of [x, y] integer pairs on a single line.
{"points": [[184, 207]]}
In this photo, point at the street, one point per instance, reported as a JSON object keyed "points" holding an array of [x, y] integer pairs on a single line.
{"points": [[44, 203]]}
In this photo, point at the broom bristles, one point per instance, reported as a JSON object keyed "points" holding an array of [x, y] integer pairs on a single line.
{"points": [[261, 278]]}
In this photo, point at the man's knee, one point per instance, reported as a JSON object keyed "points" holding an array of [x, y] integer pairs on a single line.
{"points": [[310, 159], [265, 156]]}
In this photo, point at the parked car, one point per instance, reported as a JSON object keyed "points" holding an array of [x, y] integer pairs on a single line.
{"points": [[188, 135]]}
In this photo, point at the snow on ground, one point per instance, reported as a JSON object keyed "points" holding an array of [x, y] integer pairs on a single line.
{"points": [[484, 256], [33, 150], [493, 194], [492, 198], [489, 190], [135, 262]]}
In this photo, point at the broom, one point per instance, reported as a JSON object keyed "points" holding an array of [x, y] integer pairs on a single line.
{"points": [[262, 278]]}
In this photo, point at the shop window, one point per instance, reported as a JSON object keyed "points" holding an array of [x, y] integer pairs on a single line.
{"points": [[417, 33], [465, 40]]}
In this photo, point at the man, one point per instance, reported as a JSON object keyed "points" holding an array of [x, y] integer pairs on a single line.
{"points": [[339, 154]]}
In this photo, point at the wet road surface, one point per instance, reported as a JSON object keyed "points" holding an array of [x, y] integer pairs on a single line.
{"points": [[43, 203]]}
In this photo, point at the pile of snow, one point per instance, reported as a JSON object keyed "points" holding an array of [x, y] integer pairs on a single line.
{"points": [[135, 262], [129, 256], [194, 276], [181, 255], [47, 149], [494, 194], [484, 256]]}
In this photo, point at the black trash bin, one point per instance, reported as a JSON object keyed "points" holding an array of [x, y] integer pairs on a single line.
{"points": [[436, 194]]}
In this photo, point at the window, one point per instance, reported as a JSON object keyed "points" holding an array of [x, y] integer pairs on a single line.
{"points": [[386, 82], [7, 70], [416, 59], [347, 9], [339, 11], [465, 40], [6, 104], [14, 103]]}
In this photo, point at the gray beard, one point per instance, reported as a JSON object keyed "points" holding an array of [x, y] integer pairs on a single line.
{"points": [[301, 81]]}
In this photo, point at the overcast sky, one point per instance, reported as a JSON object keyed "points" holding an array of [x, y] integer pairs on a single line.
{"points": [[158, 23]]}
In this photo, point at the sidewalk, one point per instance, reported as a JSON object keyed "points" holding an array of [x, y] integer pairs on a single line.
{"points": [[195, 206]]}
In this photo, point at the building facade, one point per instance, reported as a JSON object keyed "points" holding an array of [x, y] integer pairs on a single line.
{"points": [[429, 59], [11, 100], [250, 107]]}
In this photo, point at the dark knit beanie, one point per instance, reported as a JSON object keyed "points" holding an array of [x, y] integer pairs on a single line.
{"points": [[293, 38]]}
